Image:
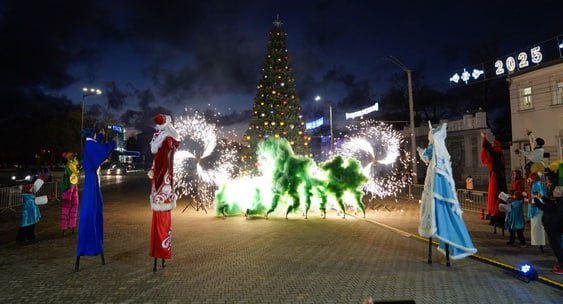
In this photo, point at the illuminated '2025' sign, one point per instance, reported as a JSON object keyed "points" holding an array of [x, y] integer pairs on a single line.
{"points": [[533, 56], [509, 64]]}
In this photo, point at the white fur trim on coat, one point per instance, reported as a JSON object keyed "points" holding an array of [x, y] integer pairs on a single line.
{"points": [[163, 207], [164, 200]]}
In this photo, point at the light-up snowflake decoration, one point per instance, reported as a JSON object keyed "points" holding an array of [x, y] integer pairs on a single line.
{"points": [[385, 162]]}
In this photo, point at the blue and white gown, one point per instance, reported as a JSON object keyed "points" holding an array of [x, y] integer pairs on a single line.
{"points": [[440, 213]]}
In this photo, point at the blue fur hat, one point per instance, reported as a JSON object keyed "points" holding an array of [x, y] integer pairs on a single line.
{"points": [[88, 133]]}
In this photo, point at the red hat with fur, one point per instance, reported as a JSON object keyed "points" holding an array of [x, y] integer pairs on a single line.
{"points": [[160, 119]]}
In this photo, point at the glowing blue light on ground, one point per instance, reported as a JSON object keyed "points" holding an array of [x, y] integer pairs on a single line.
{"points": [[527, 272]]}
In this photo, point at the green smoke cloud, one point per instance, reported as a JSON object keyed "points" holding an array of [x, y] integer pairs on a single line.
{"points": [[288, 178], [345, 175]]}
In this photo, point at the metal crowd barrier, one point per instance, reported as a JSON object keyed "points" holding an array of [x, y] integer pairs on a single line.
{"points": [[470, 200], [10, 197]]}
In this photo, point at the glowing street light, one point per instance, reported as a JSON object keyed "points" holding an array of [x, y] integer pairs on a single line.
{"points": [[85, 93], [398, 63]]}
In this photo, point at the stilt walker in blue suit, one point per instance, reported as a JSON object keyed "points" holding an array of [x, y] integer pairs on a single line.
{"points": [[91, 221], [440, 213]]}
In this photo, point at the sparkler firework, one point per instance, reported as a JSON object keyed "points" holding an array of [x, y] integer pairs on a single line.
{"points": [[202, 162], [378, 147], [293, 181]]}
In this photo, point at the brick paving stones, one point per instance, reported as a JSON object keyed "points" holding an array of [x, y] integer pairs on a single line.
{"points": [[235, 260]]}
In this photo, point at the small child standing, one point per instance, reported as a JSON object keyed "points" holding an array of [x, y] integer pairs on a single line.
{"points": [[30, 211], [514, 220]]}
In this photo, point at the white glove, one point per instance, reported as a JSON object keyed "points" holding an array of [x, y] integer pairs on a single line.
{"points": [[37, 185], [41, 200], [504, 207]]}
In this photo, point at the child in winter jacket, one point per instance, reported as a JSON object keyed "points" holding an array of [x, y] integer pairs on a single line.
{"points": [[514, 220], [30, 211]]}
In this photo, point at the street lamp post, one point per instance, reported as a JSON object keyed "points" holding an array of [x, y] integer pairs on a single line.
{"points": [[411, 112], [330, 117], [318, 98], [85, 93]]}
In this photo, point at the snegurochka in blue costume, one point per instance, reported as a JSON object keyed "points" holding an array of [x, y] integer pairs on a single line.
{"points": [[440, 213]]}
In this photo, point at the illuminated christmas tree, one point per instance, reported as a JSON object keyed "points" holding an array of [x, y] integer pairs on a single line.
{"points": [[276, 111]]}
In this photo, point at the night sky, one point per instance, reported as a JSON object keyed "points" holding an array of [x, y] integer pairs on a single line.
{"points": [[152, 55]]}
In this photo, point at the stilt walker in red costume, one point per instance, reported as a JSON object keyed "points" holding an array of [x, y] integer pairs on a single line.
{"points": [[493, 158], [164, 143]]}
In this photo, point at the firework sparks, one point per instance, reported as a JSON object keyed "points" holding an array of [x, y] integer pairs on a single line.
{"points": [[202, 162], [378, 147], [294, 182]]}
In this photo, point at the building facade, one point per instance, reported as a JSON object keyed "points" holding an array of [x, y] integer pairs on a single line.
{"points": [[464, 145], [536, 104]]}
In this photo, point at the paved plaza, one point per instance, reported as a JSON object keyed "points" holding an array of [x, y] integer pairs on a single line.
{"points": [[235, 260]]}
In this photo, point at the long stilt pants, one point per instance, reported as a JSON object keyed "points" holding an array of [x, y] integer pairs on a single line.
{"points": [[69, 208]]}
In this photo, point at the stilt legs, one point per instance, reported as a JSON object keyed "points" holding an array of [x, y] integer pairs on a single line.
{"points": [[77, 265], [429, 250], [155, 262]]}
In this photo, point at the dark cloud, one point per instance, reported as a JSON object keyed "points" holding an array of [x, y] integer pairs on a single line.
{"points": [[358, 96], [115, 96], [143, 119], [185, 53], [145, 98], [339, 75], [235, 117], [131, 118], [215, 67], [209, 57], [357, 92], [41, 40]]}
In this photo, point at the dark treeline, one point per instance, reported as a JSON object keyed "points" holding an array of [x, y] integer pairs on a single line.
{"points": [[37, 128]]}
